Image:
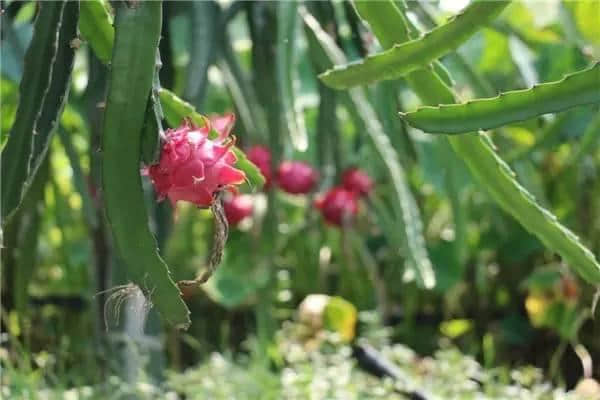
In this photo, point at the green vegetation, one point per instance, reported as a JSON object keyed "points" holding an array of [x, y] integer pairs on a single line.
{"points": [[398, 199]]}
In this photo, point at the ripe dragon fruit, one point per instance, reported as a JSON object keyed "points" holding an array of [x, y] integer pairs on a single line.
{"points": [[338, 206], [296, 177], [357, 180], [261, 157], [237, 207], [193, 167]]}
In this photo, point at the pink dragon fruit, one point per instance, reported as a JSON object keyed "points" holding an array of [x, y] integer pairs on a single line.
{"points": [[296, 177], [261, 157], [193, 167], [237, 207], [357, 180], [338, 206]]}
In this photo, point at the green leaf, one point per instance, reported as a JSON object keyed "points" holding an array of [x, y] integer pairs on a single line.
{"points": [[253, 174], [95, 24], [35, 84], [414, 241], [386, 14], [132, 69], [285, 67], [415, 54], [495, 176], [340, 316], [176, 110], [456, 60], [153, 130], [456, 327], [573, 90], [58, 92], [424, 82]]}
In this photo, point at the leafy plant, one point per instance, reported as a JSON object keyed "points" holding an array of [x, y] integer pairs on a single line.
{"points": [[43, 92], [132, 68], [495, 175], [371, 126], [573, 90]]}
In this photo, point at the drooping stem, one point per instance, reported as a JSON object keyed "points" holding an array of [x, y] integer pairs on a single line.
{"points": [[219, 240]]}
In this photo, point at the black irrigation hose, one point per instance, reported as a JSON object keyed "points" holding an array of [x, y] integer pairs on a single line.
{"points": [[374, 363]]}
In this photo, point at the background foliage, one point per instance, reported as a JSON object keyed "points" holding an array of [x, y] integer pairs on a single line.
{"points": [[448, 250]]}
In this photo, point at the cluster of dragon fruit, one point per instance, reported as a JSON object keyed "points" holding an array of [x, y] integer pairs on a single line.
{"points": [[196, 162]]}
